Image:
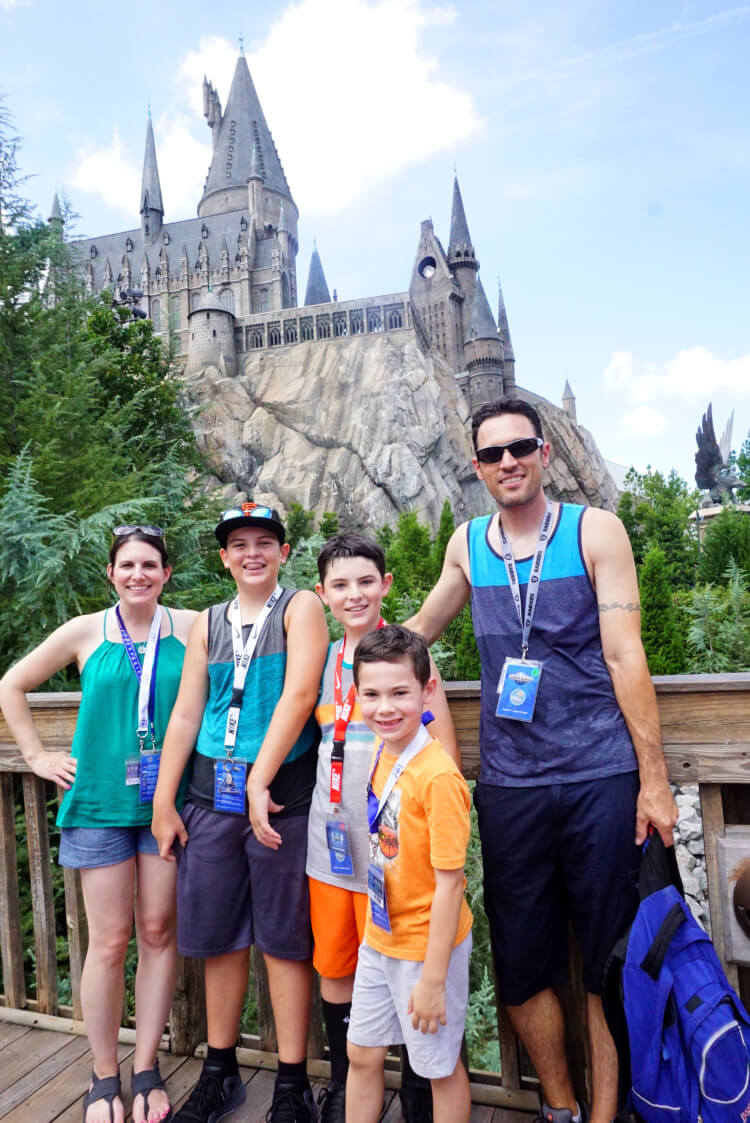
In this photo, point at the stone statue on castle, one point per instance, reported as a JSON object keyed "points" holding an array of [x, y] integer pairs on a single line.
{"points": [[712, 471]]}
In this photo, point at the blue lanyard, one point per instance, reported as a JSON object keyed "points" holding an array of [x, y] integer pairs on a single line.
{"points": [[135, 663], [374, 805]]}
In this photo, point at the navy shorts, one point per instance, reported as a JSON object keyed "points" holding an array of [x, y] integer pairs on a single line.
{"points": [[89, 848], [233, 892], [554, 854]]}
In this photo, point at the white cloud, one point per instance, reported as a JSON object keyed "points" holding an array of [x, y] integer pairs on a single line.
{"points": [[9, 5], [348, 88], [645, 420], [692, 373]]}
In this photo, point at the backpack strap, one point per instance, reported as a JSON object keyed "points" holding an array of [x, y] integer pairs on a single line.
{"points": [[653, 961]]}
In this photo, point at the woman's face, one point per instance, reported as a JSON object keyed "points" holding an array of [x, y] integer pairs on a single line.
{"points": [[138, 573]]}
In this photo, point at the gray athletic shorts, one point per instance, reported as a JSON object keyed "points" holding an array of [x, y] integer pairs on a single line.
{"points": [[233, 892], [382, 986]]}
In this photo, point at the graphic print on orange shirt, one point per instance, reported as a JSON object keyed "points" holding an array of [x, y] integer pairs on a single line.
{"points": [[385, 850]]}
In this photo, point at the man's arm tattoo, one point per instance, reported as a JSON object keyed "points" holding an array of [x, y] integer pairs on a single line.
{"points": [[630, 607]]}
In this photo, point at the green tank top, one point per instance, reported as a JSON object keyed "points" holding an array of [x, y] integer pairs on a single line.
{"points": [[105, 735]]}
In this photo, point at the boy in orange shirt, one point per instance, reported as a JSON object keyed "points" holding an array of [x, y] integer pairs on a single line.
{"points": [[412, 978]]}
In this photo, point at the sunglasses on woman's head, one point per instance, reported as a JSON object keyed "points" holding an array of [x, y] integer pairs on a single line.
{"points": [[493, 454], [152, 531]]}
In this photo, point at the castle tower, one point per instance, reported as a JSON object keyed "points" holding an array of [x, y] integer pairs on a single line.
{"points": [[436, 298], [152, 207], [569, 402], [317, 286], [483, 353], [509, 358], [461, 257], [55, 216], [211, 336]]}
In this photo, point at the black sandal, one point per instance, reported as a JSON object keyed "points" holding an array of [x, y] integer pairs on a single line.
{"points": [[149, 1080], [104, 1088]]}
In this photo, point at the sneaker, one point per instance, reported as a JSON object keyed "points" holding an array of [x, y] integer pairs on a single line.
{"points": [[292, 1104], [212, 1097], [560, 1114], [416, 1102], [332, 1101]]}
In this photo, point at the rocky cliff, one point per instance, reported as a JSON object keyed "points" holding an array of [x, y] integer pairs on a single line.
{"points": [[367, 426]]}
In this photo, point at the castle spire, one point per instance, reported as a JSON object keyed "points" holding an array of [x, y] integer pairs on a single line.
{"points": [[317, 286], [502, 325], [459, 243], [152, 207], [482, 324], [241, 127], [55, 215]]}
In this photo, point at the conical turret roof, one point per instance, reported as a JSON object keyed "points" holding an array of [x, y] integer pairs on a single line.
{"points": [[317, 286], [150, 186], [567, 392], [483, 324], [243, 124], [502, 325], [55, 215], [460, 238]]}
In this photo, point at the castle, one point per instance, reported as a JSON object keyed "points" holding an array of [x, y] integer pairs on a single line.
{"points": [[224, 284]]}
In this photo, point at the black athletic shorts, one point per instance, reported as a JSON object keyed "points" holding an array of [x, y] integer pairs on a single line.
{"points": [[554, 854]]}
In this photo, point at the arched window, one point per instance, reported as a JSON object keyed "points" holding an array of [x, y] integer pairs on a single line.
{"points": [[339, 324], [374, 320], [274, 335], [356, 323], [194, 300], [307, 331], [285, 302], [256, 339], [290, 331], [394, 320], [226, 297], [174, 313], [156, 314], [324, 327], [262, 299]]}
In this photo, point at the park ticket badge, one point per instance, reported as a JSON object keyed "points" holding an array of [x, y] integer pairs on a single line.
{"points": [[518, 688], [149, 774], [376, 893], [230, 777], [337, 840]]}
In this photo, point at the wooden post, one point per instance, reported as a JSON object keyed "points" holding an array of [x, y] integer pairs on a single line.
{"points": [[187, 1025], [11, 947], [78, 931], [712, 814], [40, 876], [510, 1069]]}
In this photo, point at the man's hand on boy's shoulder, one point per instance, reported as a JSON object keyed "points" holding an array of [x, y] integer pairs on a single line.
{"points": [[427, 1005]]}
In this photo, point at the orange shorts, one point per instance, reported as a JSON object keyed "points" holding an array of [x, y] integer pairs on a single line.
{"points": [[338, 924]]}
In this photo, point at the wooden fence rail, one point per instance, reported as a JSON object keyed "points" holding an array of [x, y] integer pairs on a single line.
{"points": [[706, 729]]}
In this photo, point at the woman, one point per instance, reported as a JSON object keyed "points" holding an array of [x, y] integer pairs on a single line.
{"points": [[130, 660]]}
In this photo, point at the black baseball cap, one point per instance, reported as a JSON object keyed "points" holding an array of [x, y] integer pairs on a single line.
{"points": [[249, 514]]}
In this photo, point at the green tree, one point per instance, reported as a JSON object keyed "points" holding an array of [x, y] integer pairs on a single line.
{"points": [[727, 537], [662, 636], [468, 662], [329, 525], [655, 511], [446, 528], [299, 524], [718, 637], [409, 560], [742, 465]]}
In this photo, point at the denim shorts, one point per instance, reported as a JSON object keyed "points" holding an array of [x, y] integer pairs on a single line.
{"points": [[88, 848]]}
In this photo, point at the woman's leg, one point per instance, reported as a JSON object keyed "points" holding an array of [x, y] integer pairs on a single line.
{"points": [[156, 929], [108, 899]]}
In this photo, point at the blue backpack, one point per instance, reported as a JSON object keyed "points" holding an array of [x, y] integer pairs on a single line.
{"points": [[689, 1034]]}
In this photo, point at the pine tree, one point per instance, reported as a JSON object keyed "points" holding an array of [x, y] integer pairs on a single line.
{"points": [[299, 524], [409, 560], [727, 537], [655, 511], [440, 545], [329, 525], [662, 637], [468, 662]]}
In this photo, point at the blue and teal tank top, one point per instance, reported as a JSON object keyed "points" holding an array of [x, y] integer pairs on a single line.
{"points": [[578, 731], [295, 779], [105, 735]]}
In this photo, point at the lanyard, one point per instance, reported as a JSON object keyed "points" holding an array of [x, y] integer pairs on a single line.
{"points": [[146, 674], [342, 710], [242, 657], [374, 805], [532, 588]]}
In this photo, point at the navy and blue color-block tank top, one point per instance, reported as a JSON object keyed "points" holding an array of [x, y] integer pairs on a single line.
{"points": [[578, 732]]}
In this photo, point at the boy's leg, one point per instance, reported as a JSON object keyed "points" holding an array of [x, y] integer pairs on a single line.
{"points": [[290, 986], [451, 1097], [226, 987], [365, 1084]]}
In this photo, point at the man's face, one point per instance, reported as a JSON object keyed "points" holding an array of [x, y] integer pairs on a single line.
{"points": [[512, 481]]}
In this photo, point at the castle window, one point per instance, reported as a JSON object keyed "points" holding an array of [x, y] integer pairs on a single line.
{"points": [[374, 320], [93, 251], [427, 267], [307, 331], [324, 327], [165, 239], [156, 314], [226, 296], [128, 245], [204, 231], [394, 319], [290, 331], [274, 335], [339, 324], [243, 224], [263, 300], [285, 301], [256, 339], [213, 333], [194, 299], [355, 319], [174, 313]]}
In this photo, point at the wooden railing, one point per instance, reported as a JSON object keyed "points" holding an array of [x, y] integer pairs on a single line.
{"points": [[706, 729]]}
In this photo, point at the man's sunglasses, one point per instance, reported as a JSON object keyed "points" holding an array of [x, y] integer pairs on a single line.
{"points": [[493, 454], [152, 531]]}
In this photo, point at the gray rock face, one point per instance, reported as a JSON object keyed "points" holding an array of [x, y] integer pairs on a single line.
{"points": [[366, 426]]}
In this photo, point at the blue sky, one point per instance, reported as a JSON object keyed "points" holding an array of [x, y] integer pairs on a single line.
{"points": [[602, 149]]}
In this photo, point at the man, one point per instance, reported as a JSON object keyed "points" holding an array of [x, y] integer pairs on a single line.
{"points": [[572, 769]]}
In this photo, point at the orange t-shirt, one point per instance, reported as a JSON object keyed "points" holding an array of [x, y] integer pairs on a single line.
{"points": [[424, 826]]}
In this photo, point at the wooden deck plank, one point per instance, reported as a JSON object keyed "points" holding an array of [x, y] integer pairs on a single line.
{"points": [[27, 1054], [259, 1089], [9, 1032], [65, 1088]]}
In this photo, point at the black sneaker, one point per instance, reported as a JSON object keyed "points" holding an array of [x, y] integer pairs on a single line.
{"points": [[212, 1098], [332, 1101], [416, 1102], [292, 1103]]}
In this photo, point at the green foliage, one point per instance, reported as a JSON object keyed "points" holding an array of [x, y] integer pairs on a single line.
{"points": [[742, 466], [654, 511], [409, 559], [385, 537], [719, 633], [727, 537], [662, 636], [440, 545], [468, 663], [329, 524], [299, 524]]}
